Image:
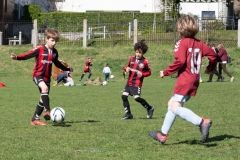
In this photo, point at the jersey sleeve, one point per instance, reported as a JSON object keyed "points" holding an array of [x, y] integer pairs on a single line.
{"points": [[147, 69], [180, 56], [29, 54]]}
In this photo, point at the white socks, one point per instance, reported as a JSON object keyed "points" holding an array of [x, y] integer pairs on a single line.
{"points": [[182, 112]]}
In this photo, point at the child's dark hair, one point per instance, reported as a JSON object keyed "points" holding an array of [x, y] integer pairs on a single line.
{"points": [[141, 45]]}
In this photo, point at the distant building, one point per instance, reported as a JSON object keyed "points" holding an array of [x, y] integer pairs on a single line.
{"points": [[6, 10], [107, 5]]}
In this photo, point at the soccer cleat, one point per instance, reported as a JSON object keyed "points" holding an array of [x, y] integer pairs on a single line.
{"points": [[200, 80], [127, 116], [88, 79], [209, 81], [47, 115], [204, 129], [150, 112], [231, 79], [37, 122], [80, 79], [158, 136], [222, 79]]}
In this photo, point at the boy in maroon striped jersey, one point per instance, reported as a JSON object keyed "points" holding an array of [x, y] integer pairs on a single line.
{"points": [[188, 55], [138, 68], [44, 55]]}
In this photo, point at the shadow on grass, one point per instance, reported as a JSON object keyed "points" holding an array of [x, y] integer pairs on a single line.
{"points": [[212, 139], [68, 123]]}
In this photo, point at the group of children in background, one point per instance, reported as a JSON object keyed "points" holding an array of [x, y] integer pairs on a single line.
{"points": [[188, 54]]}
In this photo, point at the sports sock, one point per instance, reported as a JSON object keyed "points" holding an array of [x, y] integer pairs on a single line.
{"points": [[89, 76], [38, 111], [82, 76], [126, 104], [188, 115], [143, 102], [45, 100], [168, 121]]}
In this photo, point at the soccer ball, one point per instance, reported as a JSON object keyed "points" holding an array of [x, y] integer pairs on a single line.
{"points": [[57, 114], [112, 76], [104, 83]]}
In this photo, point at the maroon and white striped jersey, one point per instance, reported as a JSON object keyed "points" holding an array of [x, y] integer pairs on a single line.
{"points": [[188, 55]]}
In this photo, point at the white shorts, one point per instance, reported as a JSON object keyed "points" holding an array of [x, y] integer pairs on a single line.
{"points": [[180, 98]]}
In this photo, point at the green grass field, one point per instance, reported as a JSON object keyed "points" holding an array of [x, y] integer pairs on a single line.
{"points": [[93, 129]]}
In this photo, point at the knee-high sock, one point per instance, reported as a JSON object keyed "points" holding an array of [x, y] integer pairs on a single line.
{"points": [[45, 100], [38, 111], [168, 121], [126, 104], [143, 102], [188, 115]]}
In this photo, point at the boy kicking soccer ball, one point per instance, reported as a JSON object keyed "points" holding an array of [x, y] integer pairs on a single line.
{"points": [[44, 55]]}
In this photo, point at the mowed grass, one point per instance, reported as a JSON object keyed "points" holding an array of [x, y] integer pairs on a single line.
{"points": [[93, 128]]}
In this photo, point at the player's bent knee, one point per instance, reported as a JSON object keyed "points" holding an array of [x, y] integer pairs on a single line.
{"points": [[138, 99], [124, 97]]}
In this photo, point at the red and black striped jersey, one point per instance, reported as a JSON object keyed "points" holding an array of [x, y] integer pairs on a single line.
{"points": [[87, 66], [43, 61], [142, 65]]}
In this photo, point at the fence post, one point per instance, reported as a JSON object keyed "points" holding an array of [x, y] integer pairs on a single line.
{"points": [[84, 33], [238, 32], [104, 32], [135, 31], [34, 34], [20, 37], [129, 30], [89, 33], [1, 38]]}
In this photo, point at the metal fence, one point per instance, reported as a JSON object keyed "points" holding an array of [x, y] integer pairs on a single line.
{"points": [[121, 33]]}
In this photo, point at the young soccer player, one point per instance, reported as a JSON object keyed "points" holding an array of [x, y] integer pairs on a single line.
{"points": [[188, 55], [138, 68], [87, 69], [44, 55]]}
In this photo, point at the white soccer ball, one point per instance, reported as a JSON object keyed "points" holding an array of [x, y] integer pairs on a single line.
{"points": [[112, 76], [57, 114], [104, 83]]}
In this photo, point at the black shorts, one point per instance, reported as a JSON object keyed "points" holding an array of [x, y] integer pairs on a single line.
{"points": [[37, 80], [132, 90]]}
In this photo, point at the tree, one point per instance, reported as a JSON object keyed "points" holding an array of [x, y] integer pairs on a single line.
{"points": [[46, 5]]}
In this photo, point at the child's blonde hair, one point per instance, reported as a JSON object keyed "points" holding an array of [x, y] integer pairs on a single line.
{"points": [[187, 26], [52, 33]]}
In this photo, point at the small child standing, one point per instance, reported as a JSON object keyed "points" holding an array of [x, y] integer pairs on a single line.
{"points": [[138, 68], [188, 54], [106, 72]]}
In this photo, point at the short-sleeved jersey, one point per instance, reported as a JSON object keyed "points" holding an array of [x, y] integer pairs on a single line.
{"points": [[43, 61], [136, 65], [188, 55], [87, 66]]}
